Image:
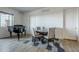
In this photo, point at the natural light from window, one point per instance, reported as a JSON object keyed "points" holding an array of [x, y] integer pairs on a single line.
{"points": [[6, 20]]}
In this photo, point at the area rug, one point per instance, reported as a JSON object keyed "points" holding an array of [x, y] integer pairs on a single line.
{"points": [[55, 46], [59, 48], [26, 41]]}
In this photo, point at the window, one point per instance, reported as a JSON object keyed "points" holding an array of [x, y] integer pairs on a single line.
{"points": [[6, 19], [50, 20]]}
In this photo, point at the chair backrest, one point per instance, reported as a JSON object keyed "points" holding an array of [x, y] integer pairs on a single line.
{"points": [[44, 29], [51, 33], [38, 28], [33, 32]]}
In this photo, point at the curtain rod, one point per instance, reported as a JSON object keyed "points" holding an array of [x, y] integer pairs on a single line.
{"points": [[6, 12]]}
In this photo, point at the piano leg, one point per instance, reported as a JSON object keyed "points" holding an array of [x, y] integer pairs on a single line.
{"points": [[21, 34], [18, 34], [10, 34], [25, 33]]}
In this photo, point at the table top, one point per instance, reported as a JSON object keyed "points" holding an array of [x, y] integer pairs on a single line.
{"points": [[42, 32]]}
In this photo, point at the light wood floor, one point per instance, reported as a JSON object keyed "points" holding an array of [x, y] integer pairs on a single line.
{"points": [[13, 45], [71, 45]]}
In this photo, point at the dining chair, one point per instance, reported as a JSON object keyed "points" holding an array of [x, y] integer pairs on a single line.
{"points": [[34, 33], [44, 29], [55, 33], [51, 34], [34, 37], [59, 34], [50, 37], [38, 28]]}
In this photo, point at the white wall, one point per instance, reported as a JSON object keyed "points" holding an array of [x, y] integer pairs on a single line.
{"points": [[78, 22], [17, 20]]}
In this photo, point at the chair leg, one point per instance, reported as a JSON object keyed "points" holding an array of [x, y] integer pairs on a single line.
{"points": [[49, 47], [35, 41]]}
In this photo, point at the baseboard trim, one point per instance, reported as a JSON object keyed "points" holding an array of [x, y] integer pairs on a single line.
{"points": [[8, 37], [4, 37], [71, 40]]}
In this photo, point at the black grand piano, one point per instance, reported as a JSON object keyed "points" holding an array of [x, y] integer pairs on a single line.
{"points": [[18, 29]]}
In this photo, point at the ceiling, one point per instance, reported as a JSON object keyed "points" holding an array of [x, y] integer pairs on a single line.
{"points": [[28, 9], [25, 9]]}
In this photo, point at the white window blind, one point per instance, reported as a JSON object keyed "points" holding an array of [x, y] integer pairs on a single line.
{"points": [[52, 20], [6, 19]]}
